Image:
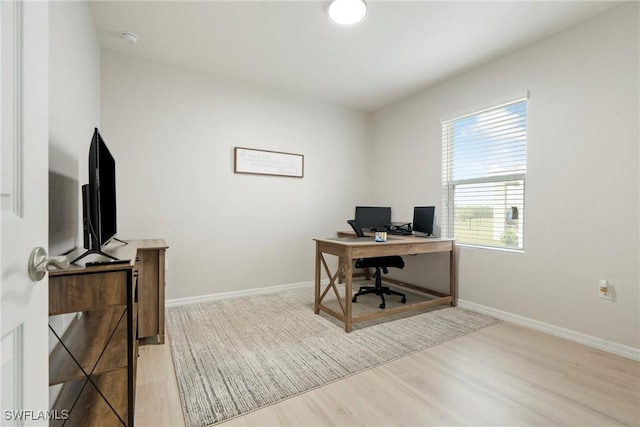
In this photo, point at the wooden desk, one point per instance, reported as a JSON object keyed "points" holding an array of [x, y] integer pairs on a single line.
{"points": [[352, 248]]}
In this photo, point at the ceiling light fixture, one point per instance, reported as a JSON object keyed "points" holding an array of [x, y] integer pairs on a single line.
{"points": [[347, 12], [130, 37]]}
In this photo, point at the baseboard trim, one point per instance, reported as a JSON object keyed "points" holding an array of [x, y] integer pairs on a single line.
{"points": [[568, 334], [174, 302]]}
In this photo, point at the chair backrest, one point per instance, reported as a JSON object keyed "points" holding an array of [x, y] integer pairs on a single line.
{"points": [[356, 227]]}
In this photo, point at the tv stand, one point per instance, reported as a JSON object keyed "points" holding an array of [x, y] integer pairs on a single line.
{"points": [[94, 361]]}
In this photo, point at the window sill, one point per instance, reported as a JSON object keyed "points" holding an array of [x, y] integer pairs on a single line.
{"points": [[490, 248]]}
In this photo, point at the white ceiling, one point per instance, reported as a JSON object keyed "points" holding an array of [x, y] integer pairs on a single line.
{"points": [[400, 48]]}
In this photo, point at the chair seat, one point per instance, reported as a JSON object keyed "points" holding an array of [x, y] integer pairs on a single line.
{"points": [[382, 262]]}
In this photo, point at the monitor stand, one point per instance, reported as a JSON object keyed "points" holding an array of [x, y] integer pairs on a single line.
{"points": [[93, 251], [99, 252], [121, 241]]}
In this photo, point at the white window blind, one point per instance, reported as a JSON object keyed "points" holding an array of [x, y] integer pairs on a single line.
{"points": [[484, 169]]}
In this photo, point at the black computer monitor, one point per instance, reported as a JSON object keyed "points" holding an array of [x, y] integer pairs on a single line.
{"points": [[373, 217], [423, 220]]}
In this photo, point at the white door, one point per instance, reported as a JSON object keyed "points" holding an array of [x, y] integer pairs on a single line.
{"points": [[24, 165]]}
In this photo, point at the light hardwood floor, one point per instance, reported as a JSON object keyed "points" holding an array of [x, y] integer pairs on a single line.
{"points": [[501, 375]]}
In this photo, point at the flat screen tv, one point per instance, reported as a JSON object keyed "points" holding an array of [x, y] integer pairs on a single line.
{"points": [[99, 199], [423, 220], [373, 217]]}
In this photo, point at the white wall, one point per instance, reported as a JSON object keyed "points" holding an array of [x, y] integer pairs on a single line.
{"points": [[582, 195], [74, 110], [172, 133]]}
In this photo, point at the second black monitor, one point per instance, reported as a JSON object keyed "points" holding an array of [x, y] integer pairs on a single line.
{"points": [[373, 216], [423, 220]]}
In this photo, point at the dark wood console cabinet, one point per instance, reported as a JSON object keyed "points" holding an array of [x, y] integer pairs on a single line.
{"points": [[95, 357]]}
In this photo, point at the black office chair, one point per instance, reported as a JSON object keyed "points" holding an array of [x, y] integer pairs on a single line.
{"points": [[381, 264]]}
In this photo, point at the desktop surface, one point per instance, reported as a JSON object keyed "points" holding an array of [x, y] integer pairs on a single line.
{"points": [[348, 238], [415, 234], [359, 239]]}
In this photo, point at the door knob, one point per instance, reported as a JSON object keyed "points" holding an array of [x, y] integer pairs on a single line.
{"points": [[39, 263]]}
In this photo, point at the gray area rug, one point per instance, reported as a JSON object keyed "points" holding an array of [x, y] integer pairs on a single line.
{"points": [[236, 355]]}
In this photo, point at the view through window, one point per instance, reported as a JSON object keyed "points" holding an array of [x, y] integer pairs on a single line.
{"points": [[484, 171]]}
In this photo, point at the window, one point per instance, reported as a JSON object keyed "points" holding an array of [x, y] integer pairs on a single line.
{"points": [[483, 173]]}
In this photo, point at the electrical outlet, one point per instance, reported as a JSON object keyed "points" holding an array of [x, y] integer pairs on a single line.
{"points": [[605, 289]]}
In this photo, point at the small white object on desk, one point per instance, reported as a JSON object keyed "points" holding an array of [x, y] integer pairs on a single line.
{"points": [[380, 236]]}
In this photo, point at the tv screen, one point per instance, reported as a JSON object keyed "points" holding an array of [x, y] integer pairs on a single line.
{"points": [[373, 216], [101, 193], [423, 219]]}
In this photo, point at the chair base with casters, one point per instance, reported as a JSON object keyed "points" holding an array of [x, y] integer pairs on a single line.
{"points": [[380, 264]]}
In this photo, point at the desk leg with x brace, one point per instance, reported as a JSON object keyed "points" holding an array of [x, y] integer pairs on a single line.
{"points": [[345, 269]]}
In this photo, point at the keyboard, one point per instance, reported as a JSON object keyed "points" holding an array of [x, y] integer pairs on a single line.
{"points": [[400, 232]]}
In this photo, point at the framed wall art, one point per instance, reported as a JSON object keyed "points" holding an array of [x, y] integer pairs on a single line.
{"points": [[265, 162]]}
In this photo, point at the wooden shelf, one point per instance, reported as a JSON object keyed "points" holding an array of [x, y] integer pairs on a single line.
{"points": [[91, 337], [91, 408]]}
